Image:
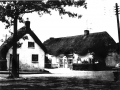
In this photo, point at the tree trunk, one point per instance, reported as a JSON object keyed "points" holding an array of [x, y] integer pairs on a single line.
{"points": [[14, 59], [15, 66]]}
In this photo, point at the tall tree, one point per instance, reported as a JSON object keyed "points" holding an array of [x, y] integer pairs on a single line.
{"points": [[14, 10]]}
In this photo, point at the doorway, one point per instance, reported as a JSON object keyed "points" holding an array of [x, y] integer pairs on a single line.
{"points": [[10, 63], [63, 63]]}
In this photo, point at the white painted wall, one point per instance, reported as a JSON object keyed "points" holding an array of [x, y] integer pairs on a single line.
{"points": [[54, 60], [25, 55], [75, 59]]}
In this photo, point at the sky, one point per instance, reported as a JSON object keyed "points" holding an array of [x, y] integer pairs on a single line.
{"points": [[99, 16]]}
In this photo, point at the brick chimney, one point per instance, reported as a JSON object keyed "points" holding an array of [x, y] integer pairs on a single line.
{"points": [[86, 32], [27, 24]]}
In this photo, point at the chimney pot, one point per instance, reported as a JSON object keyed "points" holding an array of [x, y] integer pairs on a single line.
{"points": [[51, 38], [86, 32], [27, 24]]}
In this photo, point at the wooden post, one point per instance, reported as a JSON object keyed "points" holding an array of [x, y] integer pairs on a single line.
{"points": [[117, 15]]}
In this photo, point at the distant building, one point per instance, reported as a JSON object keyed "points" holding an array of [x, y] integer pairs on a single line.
{"points": [[31, 52], [87, 48]]}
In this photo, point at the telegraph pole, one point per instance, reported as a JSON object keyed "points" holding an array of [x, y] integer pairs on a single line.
{"points": [[117, 15]]}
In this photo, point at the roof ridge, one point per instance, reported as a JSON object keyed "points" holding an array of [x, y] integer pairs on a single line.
{"points": [[80, 35], [96, 42]]}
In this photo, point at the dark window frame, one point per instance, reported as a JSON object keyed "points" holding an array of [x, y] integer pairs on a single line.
{"points": [[31, 45], [34, 56]]}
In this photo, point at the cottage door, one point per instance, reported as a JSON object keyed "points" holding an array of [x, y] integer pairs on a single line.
{"points": [[10, 63], [61, 63]]}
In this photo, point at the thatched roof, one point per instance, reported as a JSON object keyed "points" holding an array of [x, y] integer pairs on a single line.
{"points": [[9, 42], [99, 43]]}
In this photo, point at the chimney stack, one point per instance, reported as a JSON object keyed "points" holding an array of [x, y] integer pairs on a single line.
{"points": [[27, 24], [86, 32]]}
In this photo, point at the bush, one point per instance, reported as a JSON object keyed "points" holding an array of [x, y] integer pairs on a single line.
{"points": [[89, 67]]}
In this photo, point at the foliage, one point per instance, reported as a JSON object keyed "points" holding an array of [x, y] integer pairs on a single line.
{"points": [[10, 9], [19, 44]]}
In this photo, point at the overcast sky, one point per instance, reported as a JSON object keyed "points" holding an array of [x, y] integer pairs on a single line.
{"points": [[98, 17]]}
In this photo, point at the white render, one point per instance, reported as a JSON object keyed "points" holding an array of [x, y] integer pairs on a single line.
{"points": [[54, 60], [25, 55]]}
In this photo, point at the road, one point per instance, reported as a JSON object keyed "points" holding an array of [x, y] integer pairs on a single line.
{"points": [[54, 82]]}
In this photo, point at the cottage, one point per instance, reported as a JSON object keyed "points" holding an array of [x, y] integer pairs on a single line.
{"points": [[88, 48], [30, 52]]}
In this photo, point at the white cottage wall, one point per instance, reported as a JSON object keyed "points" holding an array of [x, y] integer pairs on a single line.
{"points": [[25, 55], [54, 60]]}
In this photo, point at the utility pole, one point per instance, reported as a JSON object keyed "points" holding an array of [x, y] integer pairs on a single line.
{"points": [[117, 15]]}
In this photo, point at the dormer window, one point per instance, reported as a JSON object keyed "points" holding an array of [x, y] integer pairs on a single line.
{"points": [[31, 45]]}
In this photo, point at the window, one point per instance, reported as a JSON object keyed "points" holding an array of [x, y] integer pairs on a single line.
{"points": [[34, 58], [31, 45]]}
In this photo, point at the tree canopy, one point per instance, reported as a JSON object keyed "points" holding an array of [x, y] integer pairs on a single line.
{"points": [[9, 9]]}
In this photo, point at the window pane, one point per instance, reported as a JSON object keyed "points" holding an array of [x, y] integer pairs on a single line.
{"points": [[31, 45], [34, 58]]}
